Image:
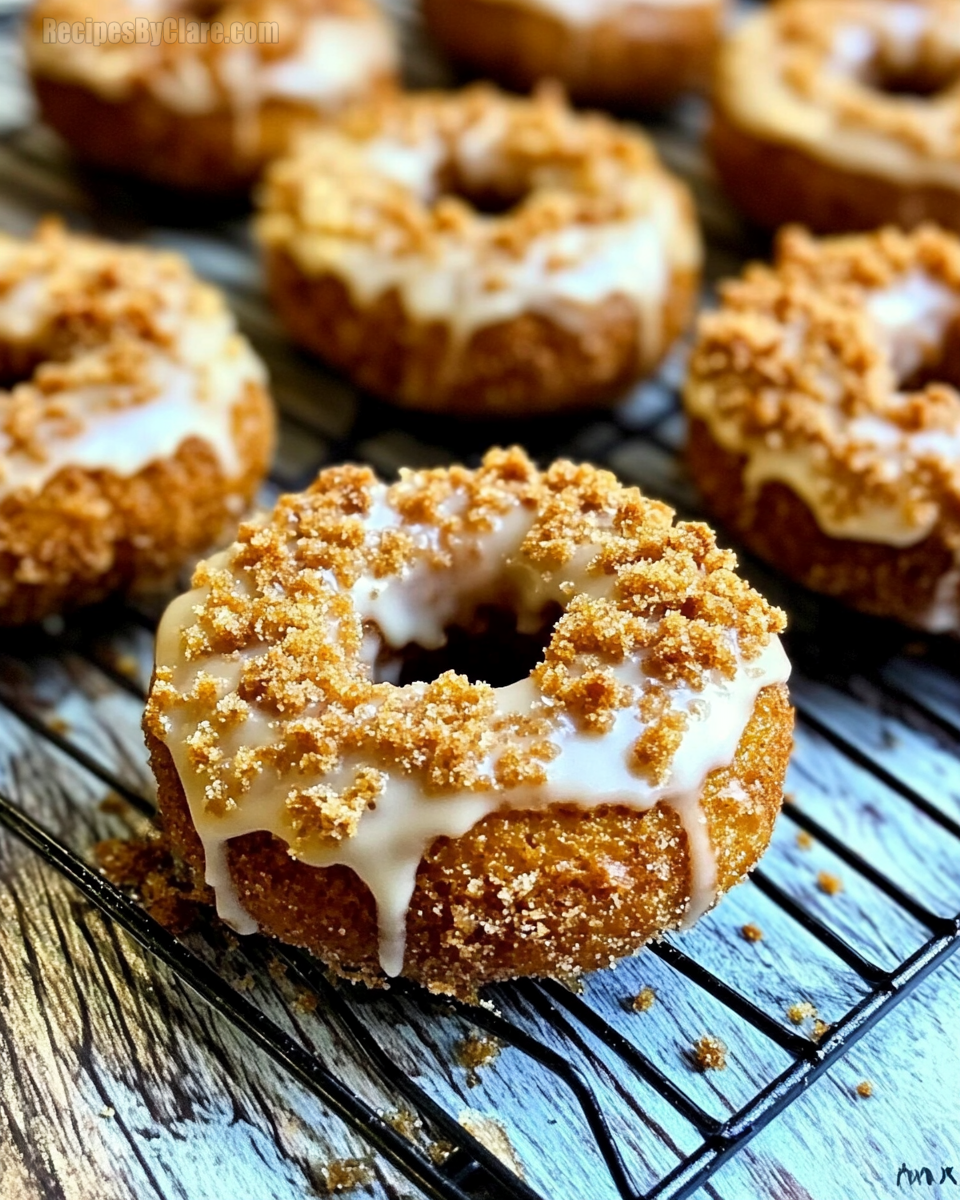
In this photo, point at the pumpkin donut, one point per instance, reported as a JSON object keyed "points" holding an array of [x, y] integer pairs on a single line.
{"points": [[842, 116], [482, 255], [620, 54], [137, 426], [437, 827], [185, 99], [825, 421]]}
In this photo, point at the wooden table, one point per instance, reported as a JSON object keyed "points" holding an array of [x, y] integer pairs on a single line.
{"points": [[117, 1082]]}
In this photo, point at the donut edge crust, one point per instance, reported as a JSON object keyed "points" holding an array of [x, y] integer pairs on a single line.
{"points": [[802, 187], [89, 533], [623, 63], [194, 152], [524, 366], [565, 890], [885, 581]]}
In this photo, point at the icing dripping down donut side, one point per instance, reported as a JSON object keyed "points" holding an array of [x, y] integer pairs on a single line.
{"points": [[591, 769]]}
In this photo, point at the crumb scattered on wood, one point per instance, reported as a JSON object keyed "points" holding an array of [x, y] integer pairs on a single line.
{"points": [[804, 840], [127, 665], [751, 933], [643, 1000], [801, 1011], [277, 969], [306, 1002], [245, 983], [491, 1133], [831, 884], [345, 1174], [440, 1151], [164, 885], [865, 1089], [710, 1053], [405, 1122], [58, 725], [114, 804], [819, 1029], [475, 1051], [107, 1112]]}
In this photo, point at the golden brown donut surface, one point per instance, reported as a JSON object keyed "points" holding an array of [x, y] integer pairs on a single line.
{"points": [[826, 421], [203, 110], [136, 427], [619, 54], [445, 829], [842, 116], [478, 254]]}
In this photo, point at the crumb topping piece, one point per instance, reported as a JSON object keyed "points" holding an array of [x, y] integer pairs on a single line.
{"points": [[644, 1000], [710, 1053], [821, 360], [751, 933], [273, 673]]}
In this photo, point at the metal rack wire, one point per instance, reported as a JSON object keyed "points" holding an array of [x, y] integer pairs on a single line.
{"points": [[471, 1170]]}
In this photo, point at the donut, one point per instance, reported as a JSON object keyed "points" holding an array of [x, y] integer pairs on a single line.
{"points": [[201, 115], [825, 424], [842, 116], [620, 54], [135, 428], [480, 255], [397, 821]]}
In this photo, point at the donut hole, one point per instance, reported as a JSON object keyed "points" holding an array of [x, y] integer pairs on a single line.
{"points": [[488, 646], [919, 78]]}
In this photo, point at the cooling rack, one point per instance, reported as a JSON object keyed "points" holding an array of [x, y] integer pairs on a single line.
{"points": [[609, 1105]]}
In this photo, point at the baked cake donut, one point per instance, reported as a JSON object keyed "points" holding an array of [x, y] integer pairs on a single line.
{"points": [[438, 827], [620, 54], [842, 116], [479, 254], [202, 115], [136, 428], [825, 424]]}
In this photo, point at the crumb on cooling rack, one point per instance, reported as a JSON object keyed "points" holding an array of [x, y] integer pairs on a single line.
{"points": [[345, 1174], [832, 885], [246, 983], [819, 1029], [864, 1089], [751, 932], [439, 1152], [306, 1001], [643, 1000], [114, 804], [475, 1051], [405, 1121], [801, 1011], [58, 725], [804, 840], [277, 969], [147, 867], [710, 1053], [491, 1134]]}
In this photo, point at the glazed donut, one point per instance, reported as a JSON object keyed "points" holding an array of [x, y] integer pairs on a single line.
{"points": [[137, 425], [842, 116], [383, 256], [443, 829], [620, 54], [204, 117], [825, 421]]}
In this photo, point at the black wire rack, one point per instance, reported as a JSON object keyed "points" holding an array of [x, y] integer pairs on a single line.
{"points": [[829, 648], [471, 1170]]}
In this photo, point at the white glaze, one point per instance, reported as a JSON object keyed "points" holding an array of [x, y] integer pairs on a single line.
{"points": [[591, 769], [759, 98]]}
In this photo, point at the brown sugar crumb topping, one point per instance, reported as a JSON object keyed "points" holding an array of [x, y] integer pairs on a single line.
{"points": [[751, 933], [330, 187], [710, 1053], [792, 357], [800, 1011], [865, 1089], [644, 1000], [832, 885], [278, 619], [475, 1051]]}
